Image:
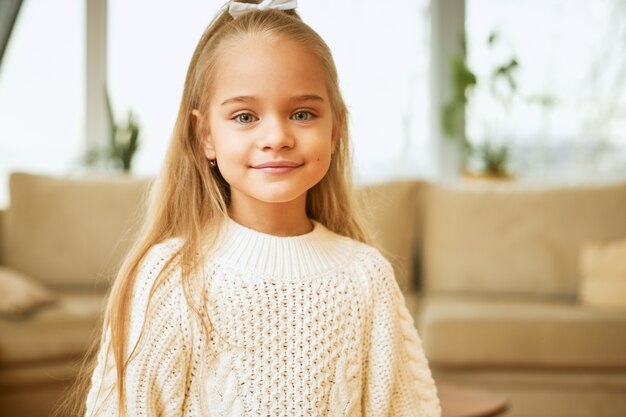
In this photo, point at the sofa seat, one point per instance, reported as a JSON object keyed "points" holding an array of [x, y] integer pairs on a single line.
{"points": [[513, 333], [55, 338], [548, 392]]}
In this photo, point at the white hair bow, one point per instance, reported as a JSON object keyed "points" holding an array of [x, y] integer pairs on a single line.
{"points": [[237, 9]]}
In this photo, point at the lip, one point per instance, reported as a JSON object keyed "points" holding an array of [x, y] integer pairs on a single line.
{"points": [[278, 164], [277, 167]]}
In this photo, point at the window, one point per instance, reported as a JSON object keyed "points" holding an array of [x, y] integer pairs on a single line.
{"points": [[41, 91], [149, 48], [566, 120]]}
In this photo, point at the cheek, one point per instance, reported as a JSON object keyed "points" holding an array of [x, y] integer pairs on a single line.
{"points": [[322, 160], [324, 148], [229, 146], [232, 157]]}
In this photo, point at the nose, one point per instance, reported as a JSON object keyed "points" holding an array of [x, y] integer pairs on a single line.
{"points": [[276, 135]]}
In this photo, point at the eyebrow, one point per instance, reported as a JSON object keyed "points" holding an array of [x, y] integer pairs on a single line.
{"points": [[245, 99]]}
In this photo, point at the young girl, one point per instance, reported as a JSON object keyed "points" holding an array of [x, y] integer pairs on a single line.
{"points": [[250, 291]]}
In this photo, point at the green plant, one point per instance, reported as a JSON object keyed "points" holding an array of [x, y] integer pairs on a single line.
{"points": [[453, 112], [494, 158], [123, 142], [503, 86], [505, 72]]}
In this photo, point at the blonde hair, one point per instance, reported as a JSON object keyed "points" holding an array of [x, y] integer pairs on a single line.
{"points": [[189, 198]]}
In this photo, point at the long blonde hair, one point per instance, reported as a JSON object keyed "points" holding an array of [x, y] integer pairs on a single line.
{"points": [[189, 198]]}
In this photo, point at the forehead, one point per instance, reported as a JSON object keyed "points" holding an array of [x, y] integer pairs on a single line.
{"points": [[268, 67]]}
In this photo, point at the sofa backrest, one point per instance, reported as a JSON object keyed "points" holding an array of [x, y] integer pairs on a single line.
{"points": [[471, 237], [74, 232], [71, 232], [391, 213], [514, 237]]}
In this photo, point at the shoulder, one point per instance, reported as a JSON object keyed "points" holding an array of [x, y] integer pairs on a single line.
{"points": [[358, 254], [157, 258], [160, 254], [377, 259], [158, 274], [157, 298], [378, 270], [372, 258], [365, 260]]}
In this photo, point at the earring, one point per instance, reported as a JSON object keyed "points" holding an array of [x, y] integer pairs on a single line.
{"points": [[212, 163]]}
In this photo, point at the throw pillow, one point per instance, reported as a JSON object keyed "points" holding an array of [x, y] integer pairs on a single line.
{"points": [[603, 274], [19, 295]]}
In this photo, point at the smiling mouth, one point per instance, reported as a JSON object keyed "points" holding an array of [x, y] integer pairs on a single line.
{"points": [[278, 167], [278, 164]]}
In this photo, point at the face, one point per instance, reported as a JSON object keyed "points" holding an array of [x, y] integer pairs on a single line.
{"points": [[270, 125]]}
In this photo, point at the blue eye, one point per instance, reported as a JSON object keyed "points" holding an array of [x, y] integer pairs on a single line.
{"points": [[302, 116], [244, 118]]}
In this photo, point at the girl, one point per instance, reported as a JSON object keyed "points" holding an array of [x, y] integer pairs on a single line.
{"points": [[250, 291]]}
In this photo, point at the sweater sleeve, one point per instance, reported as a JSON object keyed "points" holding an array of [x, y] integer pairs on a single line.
{"points": [[156, 376], [398, 381]]}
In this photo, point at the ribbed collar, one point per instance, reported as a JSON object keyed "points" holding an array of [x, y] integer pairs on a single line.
{"points": [[261, 254]]}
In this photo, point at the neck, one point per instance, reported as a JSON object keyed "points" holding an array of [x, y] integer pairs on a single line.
{"points": [[278, 219]]}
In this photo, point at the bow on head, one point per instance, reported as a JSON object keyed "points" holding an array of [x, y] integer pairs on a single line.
{"points": [[237, 9]]}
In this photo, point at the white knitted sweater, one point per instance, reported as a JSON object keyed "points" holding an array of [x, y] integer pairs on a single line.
{"points": [[310, 325]]}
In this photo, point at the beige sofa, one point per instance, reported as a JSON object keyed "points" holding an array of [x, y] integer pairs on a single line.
{"points": [[68, 235], [498, 270], [490, 271], [502, 273]]}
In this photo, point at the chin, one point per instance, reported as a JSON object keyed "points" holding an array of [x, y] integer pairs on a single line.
{"points": [[278, 198], [280, 194]]}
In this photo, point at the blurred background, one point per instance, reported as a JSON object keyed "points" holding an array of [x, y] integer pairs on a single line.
{"points": [[518, 288], [562, 120]]}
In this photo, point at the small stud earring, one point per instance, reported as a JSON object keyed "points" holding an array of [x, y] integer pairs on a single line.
{"points": [[212, 163]]}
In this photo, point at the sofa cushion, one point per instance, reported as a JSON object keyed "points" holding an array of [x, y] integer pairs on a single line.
{"points": [[62, 331], [516, 238], [19, 295], [71, 232], [483, 332], [390, 214], [603, 269]]}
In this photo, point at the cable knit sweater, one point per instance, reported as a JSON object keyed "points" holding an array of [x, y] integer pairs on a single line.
{"points": [[310, 325]]}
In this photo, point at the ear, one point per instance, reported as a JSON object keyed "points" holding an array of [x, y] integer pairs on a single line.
{"points": [[202, 134], [333, 141], [338, 122]]}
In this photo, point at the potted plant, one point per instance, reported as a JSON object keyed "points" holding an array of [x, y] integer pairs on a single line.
{"points": [[488, 159], [122, 146]]}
